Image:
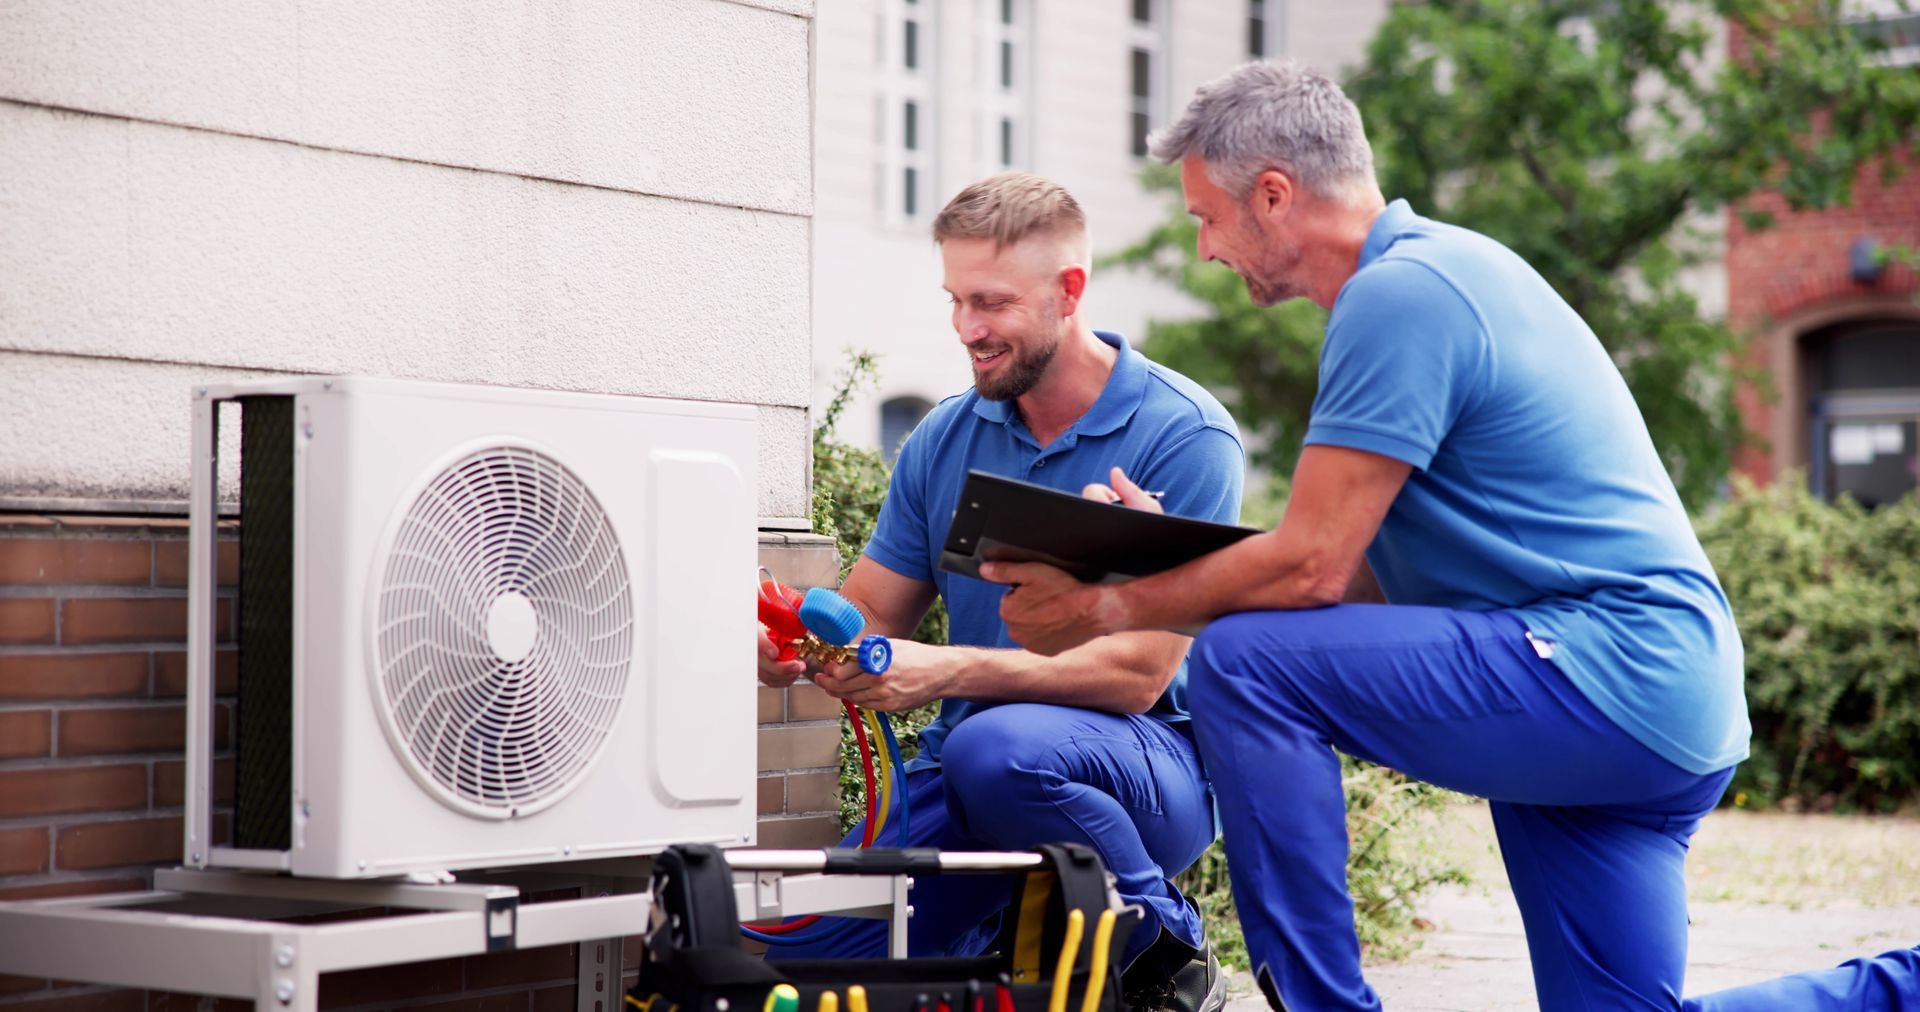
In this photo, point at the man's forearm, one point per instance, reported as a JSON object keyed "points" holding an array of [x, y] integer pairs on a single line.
{"points": [[1116, 674], [1261, 573]]}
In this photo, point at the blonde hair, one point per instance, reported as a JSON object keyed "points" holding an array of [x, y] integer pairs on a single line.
{"points": [[1010, 207]]}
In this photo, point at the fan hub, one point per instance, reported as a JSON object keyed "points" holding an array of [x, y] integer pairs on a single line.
{"points": [[512, 626]]}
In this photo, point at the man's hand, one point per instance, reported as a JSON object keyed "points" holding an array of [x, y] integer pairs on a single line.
{"points": [[773, 671], [1122, 492], [1048, 611], [919, 674]]}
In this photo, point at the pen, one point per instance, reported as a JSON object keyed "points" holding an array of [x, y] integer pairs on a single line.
{"points": [[1162, 494]]}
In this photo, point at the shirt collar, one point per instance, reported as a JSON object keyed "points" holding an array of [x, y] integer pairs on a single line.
{"points": [[1125, 388], [1387, 227]]}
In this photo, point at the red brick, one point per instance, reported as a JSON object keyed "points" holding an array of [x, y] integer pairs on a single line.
{"points": [[56, 790], [803, 834], [525, 966], [514, 1001], [772, 704], [78, 887], [772, 794], [170, 672], [169, 1001], [811, 702], [98, 561], [124, 729], [116, 843], [26, 734], [134, 619], [170, 563], [26, 620], [23, 851], [72, 675], [813, 792], [10, 984], [385, 985], [89, 1001], [170, 782], [120, 524], [785, 748]]}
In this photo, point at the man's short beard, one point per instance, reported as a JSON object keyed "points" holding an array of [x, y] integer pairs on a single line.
{"points": [[1273, 279], [1025, 371]]}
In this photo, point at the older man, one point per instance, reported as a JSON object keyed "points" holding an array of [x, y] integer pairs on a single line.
{"points": [[1557, 641], [1093, 745]]}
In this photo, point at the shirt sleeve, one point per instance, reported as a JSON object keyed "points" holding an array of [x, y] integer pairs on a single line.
{"points": [[1406, 355], [899, 539], [1202, 474]]}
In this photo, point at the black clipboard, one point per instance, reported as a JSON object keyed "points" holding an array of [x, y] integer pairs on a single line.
{"points": [[1006, 520]]}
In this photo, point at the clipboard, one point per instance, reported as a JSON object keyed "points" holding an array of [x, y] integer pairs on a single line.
{"points": [[1001, 519]]}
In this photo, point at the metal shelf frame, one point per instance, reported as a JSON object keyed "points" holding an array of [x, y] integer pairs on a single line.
{"points": [[225, 933]]}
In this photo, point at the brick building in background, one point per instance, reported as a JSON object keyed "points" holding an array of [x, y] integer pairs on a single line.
{"points": [[1839, 337], [552, 196]]}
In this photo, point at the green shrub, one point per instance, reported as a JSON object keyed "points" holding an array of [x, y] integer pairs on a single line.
{"points": [[849, 484], [1828, 602]]}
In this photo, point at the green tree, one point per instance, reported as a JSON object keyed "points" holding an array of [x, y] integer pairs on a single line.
{"points": [[1596, 138]]}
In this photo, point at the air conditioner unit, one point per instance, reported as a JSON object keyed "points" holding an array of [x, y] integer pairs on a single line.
{"points": [[477, 627]]}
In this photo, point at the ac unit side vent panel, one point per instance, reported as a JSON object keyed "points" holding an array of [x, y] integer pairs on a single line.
{"points": [[504, 633], [263, 740]]}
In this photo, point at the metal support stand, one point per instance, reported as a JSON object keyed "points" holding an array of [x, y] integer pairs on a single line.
{"points": [[218, 932]]}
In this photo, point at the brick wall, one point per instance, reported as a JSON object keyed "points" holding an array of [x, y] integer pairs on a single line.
{"points": [[92, 732], [1794, 271]]}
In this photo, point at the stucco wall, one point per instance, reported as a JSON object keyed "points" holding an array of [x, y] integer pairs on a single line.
{"points": [[600, 195]]}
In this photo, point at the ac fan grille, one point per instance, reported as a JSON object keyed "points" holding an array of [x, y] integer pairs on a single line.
{"points": [[505, 632]]}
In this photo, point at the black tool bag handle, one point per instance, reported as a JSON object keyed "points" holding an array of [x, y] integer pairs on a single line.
{"points": [[1071, 878]]}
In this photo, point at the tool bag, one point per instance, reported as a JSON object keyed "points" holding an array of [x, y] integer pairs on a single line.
{"points": [[694, 962]]}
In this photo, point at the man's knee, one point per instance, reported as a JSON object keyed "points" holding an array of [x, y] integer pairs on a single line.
{"points": [[1220, 650], [995, 750]]}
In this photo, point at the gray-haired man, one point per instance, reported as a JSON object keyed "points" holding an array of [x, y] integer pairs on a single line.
{"points": [[1557, 640]]}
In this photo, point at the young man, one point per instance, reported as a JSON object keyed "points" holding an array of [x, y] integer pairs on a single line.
{"points": [[1557, 640], [1092, 746]]}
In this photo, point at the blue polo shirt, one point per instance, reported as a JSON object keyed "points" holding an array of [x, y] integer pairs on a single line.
{"points": [[1535, 487], [1162, 428]]}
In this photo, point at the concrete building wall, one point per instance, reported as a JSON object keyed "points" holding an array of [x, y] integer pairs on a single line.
{"points": [[876, 285], [597, 196]]}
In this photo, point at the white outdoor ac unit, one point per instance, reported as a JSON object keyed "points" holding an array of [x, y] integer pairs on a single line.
{"points": [[476, 626]]}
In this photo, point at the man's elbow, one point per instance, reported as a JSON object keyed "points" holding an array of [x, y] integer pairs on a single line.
{"points": [[1324, 585], [1144, 692]]}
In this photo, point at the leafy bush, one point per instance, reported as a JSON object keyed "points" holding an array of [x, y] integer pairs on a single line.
{"points": [[1828, 602], [849, 484]]}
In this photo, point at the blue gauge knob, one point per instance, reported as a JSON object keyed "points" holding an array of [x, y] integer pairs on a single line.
{"points": [[876, 654], [831, 617]]}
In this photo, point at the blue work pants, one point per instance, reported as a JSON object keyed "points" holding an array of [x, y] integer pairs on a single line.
{"points": [[1593, 826], [1022, 774]]}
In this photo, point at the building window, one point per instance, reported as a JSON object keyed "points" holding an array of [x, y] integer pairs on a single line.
{"points": [[1888, 28], [1146, 72], [1865, 420], [906, 113], [898, 416], [1266, 29], [1005, 96]]}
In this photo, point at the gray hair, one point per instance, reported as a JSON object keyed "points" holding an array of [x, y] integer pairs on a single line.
{"points": [[1275, 115]]}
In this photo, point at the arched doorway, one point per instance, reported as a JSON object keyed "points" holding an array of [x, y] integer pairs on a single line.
{"points": [[1863, 378], [898, 416]]}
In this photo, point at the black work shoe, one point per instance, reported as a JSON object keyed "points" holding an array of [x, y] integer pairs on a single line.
{"points": [[1192, 985]]}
